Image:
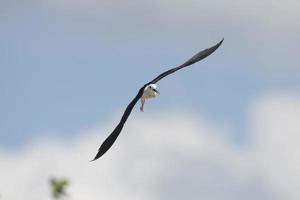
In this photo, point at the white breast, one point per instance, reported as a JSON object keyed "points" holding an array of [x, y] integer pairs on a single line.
{"points": [[149, 93]]}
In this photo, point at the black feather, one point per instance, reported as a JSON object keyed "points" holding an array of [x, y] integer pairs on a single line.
{"points": [[196, 58], [114, 135]]}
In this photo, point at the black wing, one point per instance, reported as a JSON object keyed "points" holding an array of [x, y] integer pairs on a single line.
{"points": [[199, 56], [114, 135], [109, 141]]}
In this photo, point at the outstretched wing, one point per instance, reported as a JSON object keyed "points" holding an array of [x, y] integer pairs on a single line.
{"points": [[109, 141], [199, 56]]}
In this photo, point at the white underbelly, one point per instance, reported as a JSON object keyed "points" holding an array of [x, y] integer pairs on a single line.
{"points": [[148, 95]]}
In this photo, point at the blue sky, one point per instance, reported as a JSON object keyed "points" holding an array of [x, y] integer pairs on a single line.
{"points": [[66, 66], [68, 69]]}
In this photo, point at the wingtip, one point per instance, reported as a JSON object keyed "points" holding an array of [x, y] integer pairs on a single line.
{"points": [[96, 157], [221, 41], [218, 44], [93, 160], [99, 154]]}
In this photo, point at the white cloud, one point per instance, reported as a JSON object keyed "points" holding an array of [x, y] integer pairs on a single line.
{"points": [[259, 35], [253, 30], [277, 135], [168, 156], [266, 14]]}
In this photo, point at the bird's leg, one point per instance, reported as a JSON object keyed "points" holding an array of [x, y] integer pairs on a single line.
{"points": [[142, 106]]}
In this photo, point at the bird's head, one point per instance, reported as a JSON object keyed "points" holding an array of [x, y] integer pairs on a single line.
{"points": [[151, 90]]}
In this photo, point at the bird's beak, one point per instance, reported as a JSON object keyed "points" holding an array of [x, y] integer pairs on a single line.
{"points": [[156, 91]]}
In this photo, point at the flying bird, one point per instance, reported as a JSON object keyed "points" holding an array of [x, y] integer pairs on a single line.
{"points": [[149, 90]]}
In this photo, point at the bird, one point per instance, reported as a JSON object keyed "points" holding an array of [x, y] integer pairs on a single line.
{"points": [[148, 91]]}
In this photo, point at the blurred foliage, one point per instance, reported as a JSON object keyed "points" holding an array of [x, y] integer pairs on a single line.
{"points": [[58, 187]]}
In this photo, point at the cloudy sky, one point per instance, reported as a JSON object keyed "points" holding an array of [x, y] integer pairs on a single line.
{"points": [[226, 128]]}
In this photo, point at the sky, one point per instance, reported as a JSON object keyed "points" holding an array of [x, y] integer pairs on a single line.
{"points": [[229, 123]]}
